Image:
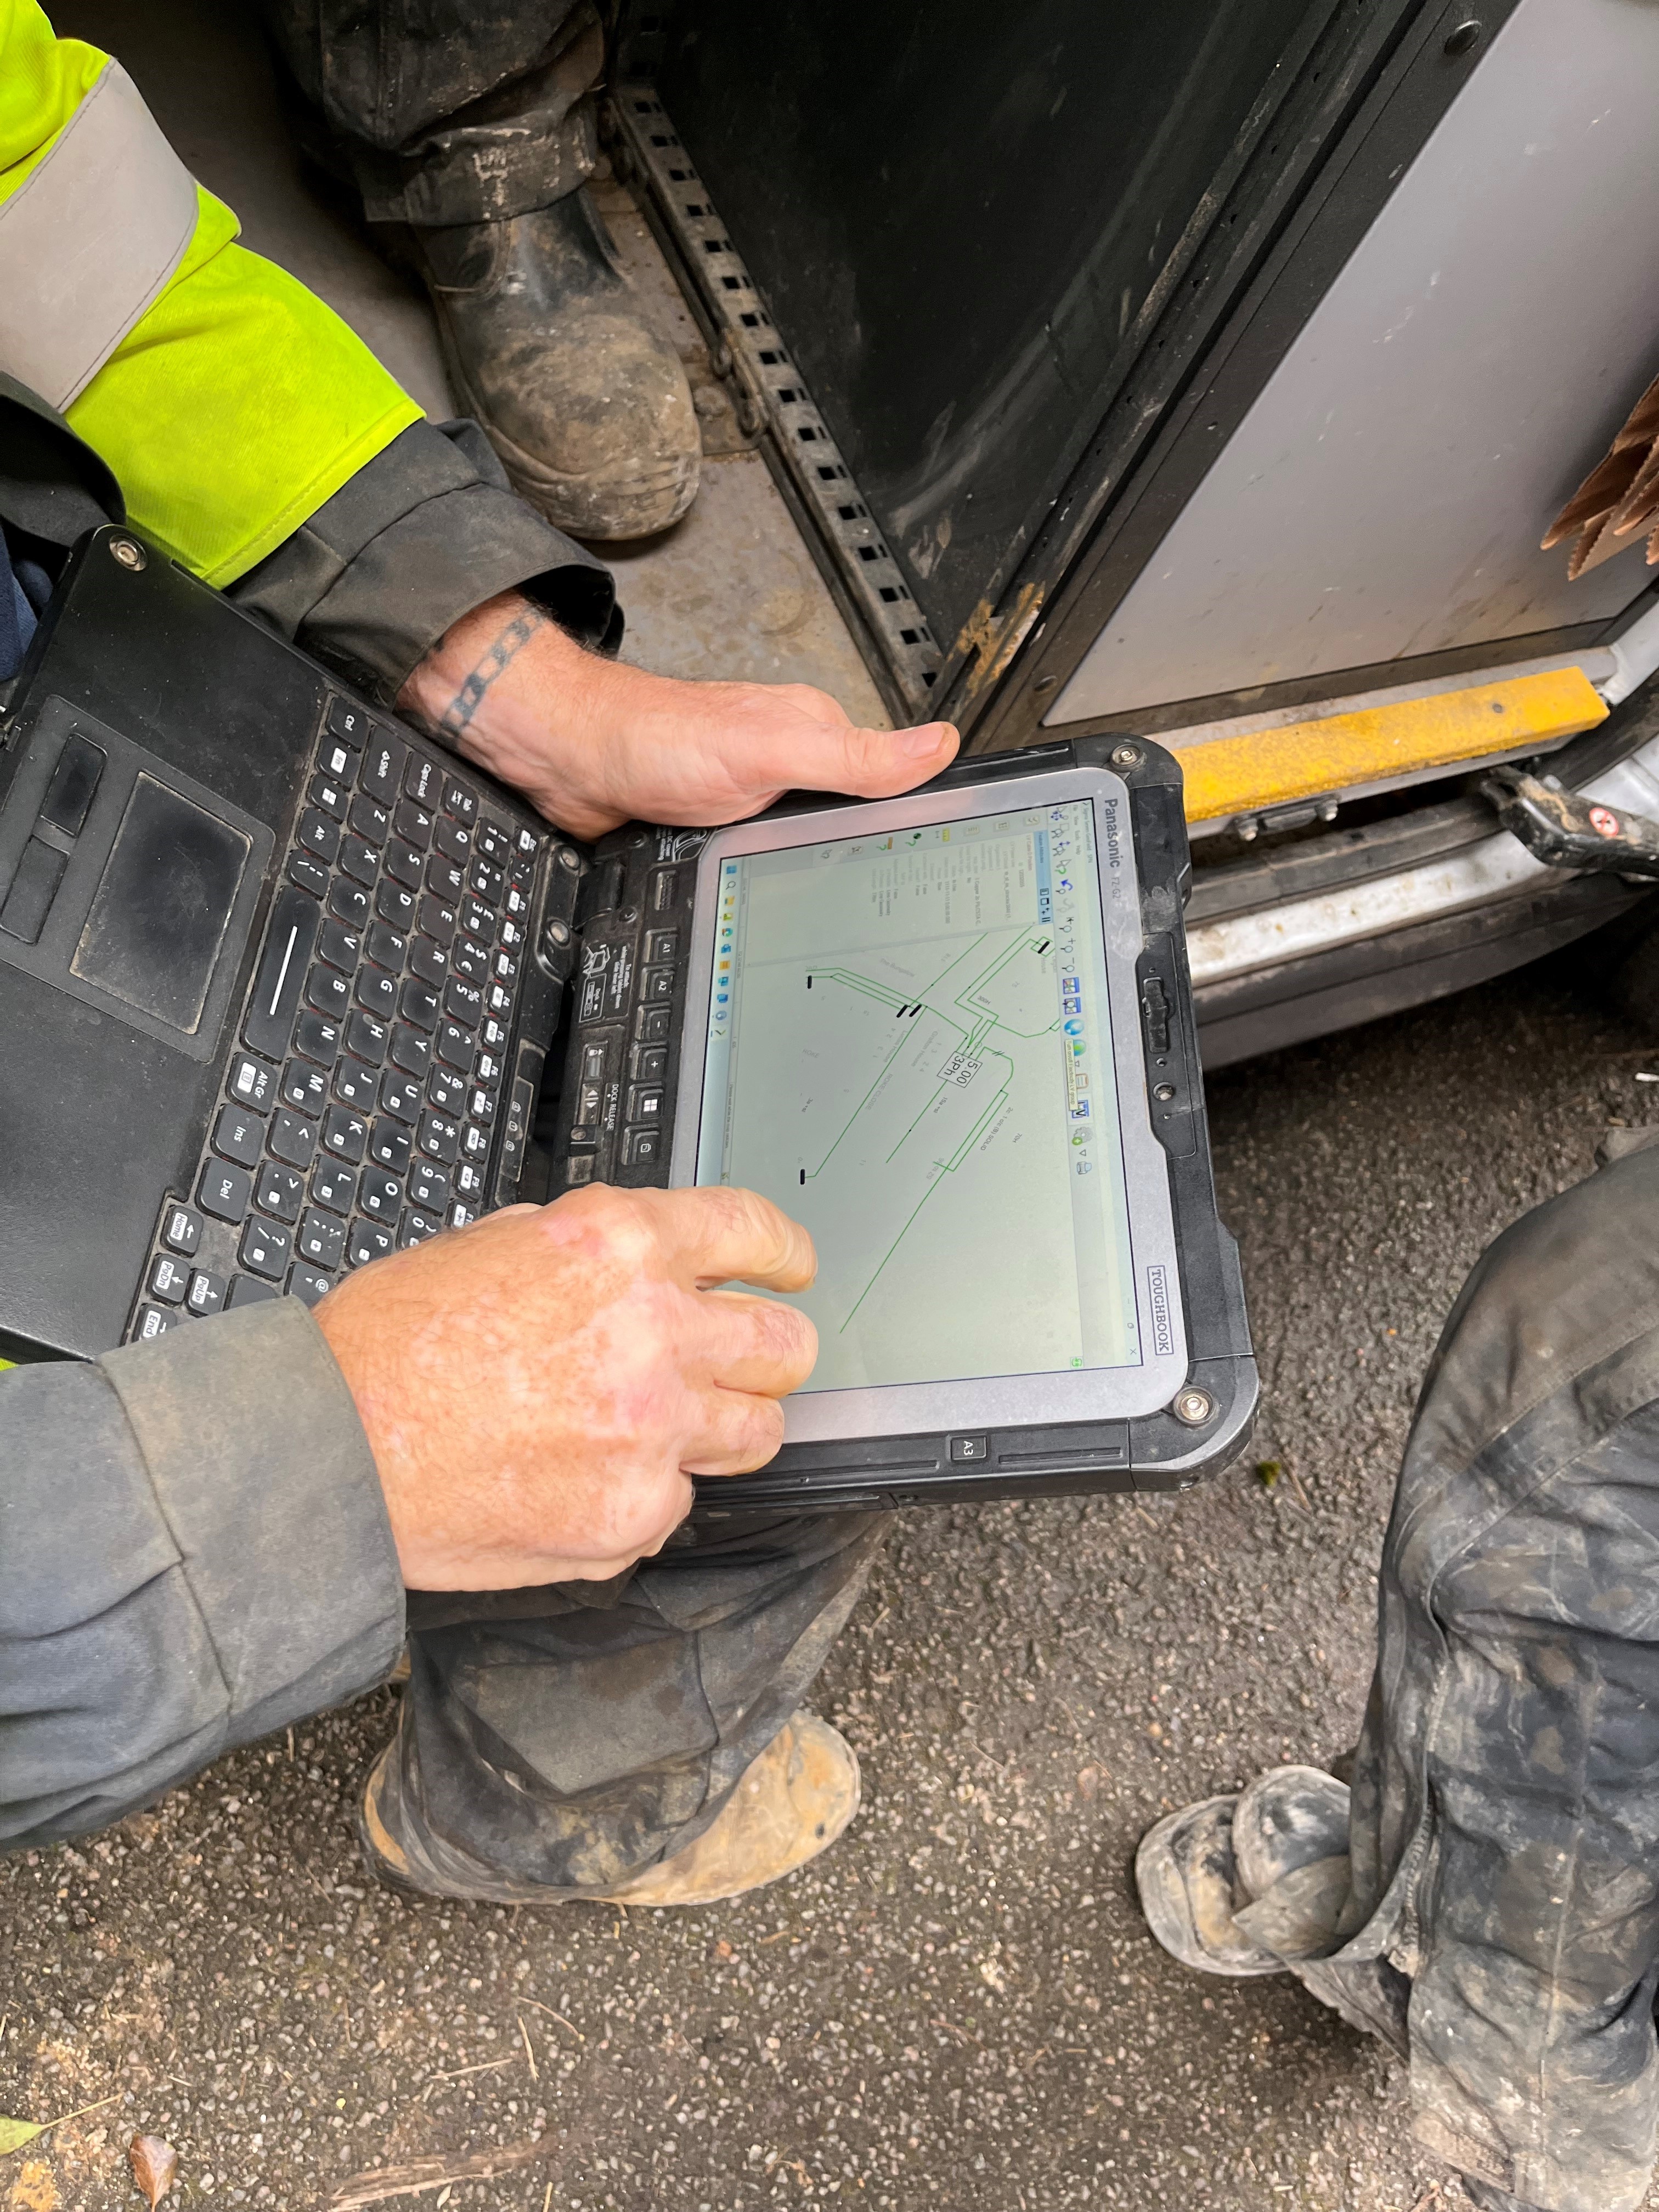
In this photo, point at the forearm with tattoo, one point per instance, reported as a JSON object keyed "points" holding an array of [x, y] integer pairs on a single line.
{"points": [[498, 656]]}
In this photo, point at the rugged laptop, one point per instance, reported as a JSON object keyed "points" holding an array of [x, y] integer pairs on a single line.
{"points": [[281, 982]]}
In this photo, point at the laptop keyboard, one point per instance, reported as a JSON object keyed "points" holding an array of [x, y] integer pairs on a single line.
{"points": [[370, 1084]]}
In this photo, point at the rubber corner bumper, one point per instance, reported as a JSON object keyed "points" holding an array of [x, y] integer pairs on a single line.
{"points": [[1343, 753]]}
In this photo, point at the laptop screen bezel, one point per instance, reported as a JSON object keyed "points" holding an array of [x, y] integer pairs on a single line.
{"points": [[1000, 1402]]}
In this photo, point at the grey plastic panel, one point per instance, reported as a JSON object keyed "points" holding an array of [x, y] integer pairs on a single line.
{"points": [[1385, 495]]}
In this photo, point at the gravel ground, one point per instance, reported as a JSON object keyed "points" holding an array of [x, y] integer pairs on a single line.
{"points": [[959, 2006]]}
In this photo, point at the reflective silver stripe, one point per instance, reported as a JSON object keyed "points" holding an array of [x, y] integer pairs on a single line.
{"points": [[88, 240]]}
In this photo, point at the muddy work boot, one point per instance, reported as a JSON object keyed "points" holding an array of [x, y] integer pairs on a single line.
{"points": [[791, 1804], [548, 346], [1240, 1884]]}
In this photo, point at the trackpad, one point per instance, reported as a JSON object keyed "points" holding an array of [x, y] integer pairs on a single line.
{"points": [[158, 916]]}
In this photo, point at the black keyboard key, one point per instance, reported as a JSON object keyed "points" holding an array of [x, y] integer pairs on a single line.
{"points": [[657, 985], [397, 904], [345, 1133], [169, 1281], [389, 1147], [293, 1137], [462, 1216], [248, 1290], [322, 1240], [239, 1136], [252, 1082], [330, 794], [369, 820], [445, 879], [307, 1285], [477, 919], [486, 882], [469, 959], [278, 1191], [416, 1227], [383, 762], [206, 1294], [439, 1138], [463, 1001], [152, 1321], [338, 759], [369, 1241], [651, 1024], [317, 1036], [413, 823], [446, 1090], [494, 844], [423, 782], [454, 841], [377, 992], [469, 1182], [642, 1148], [282, 965], [381, 1196], [304, 1088], [348, 723], [499, 1000], [505, 968], [493, 1035], [318, 834], [488, 1070], [356, 1085], [410, 1050], [418, 1004], [334, 1185], [437, 919], [516, 903], [404, 864], [400, 1096], [182, 1230], [429, 1186], [308, 873], [367, 1035], [512, 936], [461, 801], [429, 961], [265, 1249], [327, 992], [350, 902], [527, 844], [361, 862], [340, 947], [475, 1142], [480, 1106], [456, 1046], [387, 947]]}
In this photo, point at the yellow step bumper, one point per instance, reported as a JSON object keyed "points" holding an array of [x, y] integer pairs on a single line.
{"points": [[1341, 753]]}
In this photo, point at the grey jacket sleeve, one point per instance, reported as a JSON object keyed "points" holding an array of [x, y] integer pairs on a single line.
{"points": [[425, 532], [194, 1550]]}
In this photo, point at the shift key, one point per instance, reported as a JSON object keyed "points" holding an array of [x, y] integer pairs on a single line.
{"points": [[282, 966]]}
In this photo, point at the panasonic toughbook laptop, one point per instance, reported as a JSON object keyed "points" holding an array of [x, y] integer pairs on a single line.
{"points": [[283, 986]]}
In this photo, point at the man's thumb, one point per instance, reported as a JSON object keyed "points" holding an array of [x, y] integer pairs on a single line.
{"points": [[880, 763]]}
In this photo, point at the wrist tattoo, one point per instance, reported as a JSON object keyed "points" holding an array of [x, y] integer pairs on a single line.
{"points": [[512, 641]]}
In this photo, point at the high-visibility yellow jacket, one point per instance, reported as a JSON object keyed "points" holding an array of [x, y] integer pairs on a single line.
{"points": [[237, 402]]}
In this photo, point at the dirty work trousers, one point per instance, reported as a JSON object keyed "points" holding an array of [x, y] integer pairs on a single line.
{"points": [[441, 112], [1502, 1921], [572, 1735]]}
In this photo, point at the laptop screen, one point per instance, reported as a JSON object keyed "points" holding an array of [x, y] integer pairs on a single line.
{"points": [[909, 1050]]}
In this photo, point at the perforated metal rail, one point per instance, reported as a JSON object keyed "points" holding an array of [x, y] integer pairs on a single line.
{"points": [[801, 441]]}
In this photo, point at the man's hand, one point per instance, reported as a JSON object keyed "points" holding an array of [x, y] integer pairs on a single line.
{"points": [[593, 742], [537, 1389]]}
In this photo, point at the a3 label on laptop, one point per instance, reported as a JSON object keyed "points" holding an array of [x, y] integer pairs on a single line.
{"points": [[951, 1035]]}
